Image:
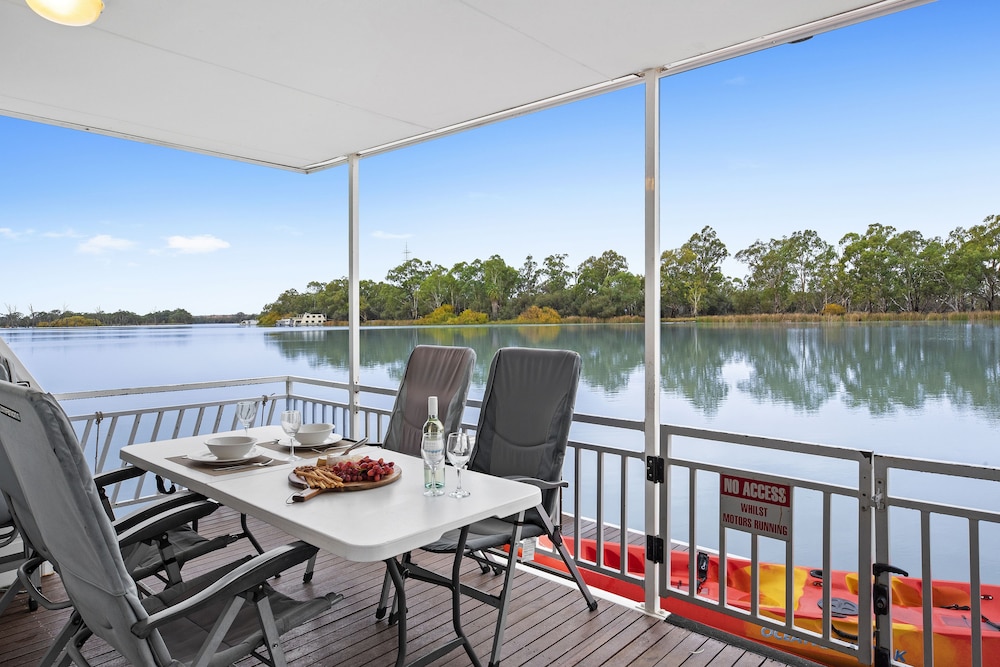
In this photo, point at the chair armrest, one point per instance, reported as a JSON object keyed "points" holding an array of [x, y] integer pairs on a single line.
{"points": [[24, 572], [160, 506], [540, 483], [154, 527], [243, 578], [110, 477]]}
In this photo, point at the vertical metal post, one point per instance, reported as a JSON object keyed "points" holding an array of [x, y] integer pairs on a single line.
{"points": [[651, 361], [354, 297]]}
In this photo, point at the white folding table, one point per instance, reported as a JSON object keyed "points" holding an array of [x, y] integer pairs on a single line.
{"points": [[365, 526]]}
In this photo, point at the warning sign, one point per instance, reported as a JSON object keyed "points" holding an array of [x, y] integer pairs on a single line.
{"points": [[756, 506]]}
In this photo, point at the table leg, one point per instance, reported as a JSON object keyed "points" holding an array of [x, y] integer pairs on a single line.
{"points": [[456, 597], [397, 572], [392, 565]]}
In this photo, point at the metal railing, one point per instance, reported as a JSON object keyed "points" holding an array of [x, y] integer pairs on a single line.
{"points": [[828, 488], [922, 493]]}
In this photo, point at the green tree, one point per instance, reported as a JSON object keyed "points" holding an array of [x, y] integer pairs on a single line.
{"points": [[813, 261], [528, 278], [700, 261], [673, 291], [557, 276], [984, 250], [437, 289], [917, 268], [408, 277], [867, 262], [499, 281], [771, 274]]}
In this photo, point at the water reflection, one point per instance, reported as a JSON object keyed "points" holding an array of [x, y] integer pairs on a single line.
{"points": [[881, 369]]}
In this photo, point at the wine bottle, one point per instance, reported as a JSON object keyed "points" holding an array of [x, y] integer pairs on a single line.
{"points": [[433, 438]]}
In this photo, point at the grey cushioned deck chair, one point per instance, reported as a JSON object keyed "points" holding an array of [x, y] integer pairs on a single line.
{"points": [[162, 555], [211, 620], [522, 434]]}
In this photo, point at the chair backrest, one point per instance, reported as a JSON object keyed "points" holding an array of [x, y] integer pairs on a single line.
{"points": [[53, 497], [11, 368], [431, 370], [526, 415]]}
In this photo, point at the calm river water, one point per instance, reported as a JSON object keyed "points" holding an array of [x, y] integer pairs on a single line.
{"points": [[927, 390]]}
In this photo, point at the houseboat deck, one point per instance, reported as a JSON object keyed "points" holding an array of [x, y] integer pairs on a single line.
{"points": [[548, 623]]}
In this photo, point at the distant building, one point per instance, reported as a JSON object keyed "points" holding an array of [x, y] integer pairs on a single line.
{"points": [[304, 320], [310, 319], [248, 323]]}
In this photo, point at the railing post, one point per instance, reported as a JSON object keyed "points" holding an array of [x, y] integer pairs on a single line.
{"points": [[652, 324], [354, 297]]}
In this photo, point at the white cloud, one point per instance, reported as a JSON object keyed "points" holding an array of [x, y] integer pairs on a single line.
{"points": [[192, 245], [69, 233], [386, 235], [103, 243], [736, 81], [8, 233]]}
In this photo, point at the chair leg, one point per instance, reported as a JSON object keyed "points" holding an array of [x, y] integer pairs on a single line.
{"points": [[63, 640], [384, 598], [556, 536], [508, 582], [310, 568], [9, 596]]}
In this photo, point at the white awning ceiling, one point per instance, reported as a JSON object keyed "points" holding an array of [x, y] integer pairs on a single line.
{"points": [[301, 84]]}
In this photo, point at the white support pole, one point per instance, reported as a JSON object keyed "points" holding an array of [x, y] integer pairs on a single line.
{"points": [[651, 361], [354, 296]]}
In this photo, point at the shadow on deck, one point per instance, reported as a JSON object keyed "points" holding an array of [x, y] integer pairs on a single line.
{"points": [[548, 623]]}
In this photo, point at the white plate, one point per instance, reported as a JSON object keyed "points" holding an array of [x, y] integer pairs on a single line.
{"points": [[210, 458], [331, 439]]}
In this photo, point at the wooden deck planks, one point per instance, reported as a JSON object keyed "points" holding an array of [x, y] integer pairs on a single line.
{"points": [[548, 623]]}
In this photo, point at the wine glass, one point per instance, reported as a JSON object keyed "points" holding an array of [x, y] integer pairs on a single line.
{"points": [[459, 452], [246, 412], [432, 449], [291, 422]]}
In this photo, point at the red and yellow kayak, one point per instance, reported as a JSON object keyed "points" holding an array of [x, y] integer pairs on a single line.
{"points": [[952, 623]]}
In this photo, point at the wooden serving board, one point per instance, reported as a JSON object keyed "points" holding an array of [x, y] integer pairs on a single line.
{"points": [[308, 493]]}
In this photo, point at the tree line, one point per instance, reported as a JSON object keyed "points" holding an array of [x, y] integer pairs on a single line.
{"points": [[881, 270], [11, 317]]}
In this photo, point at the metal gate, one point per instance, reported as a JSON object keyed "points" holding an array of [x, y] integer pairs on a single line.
{"points": [[770, 536]]}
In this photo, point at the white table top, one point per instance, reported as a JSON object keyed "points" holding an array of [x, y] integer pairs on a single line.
{"points": [[364, 526]]}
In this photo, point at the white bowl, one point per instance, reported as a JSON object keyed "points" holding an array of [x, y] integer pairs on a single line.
{"points": [[230, 446], [313, 434]]}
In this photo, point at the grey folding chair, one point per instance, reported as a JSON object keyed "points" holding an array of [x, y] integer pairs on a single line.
{"points": [[431, 370], [522, 434], [211, 620]]}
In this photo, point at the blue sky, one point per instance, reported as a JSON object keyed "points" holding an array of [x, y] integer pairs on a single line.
{"points": [[892, 122]]}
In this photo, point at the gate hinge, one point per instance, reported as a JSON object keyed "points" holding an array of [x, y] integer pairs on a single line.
{"points": [[654, 549], [655, 469]]}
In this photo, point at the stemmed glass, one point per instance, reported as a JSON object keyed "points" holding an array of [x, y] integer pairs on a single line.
{"points": [[246, 412], [459, 452], [291, 422], [432, 449]]}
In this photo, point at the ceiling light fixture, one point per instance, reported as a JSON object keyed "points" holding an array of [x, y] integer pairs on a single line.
{"points": [[68, 12]]}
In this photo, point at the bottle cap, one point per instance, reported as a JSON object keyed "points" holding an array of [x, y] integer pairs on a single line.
{"points": [[432, 406]]}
